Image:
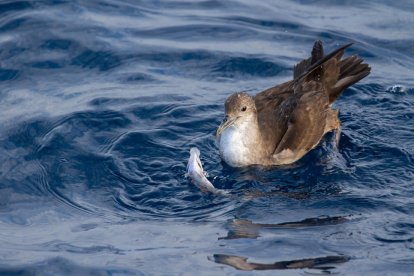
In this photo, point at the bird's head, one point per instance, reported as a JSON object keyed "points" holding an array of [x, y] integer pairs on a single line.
{"points": [[239, 108]]}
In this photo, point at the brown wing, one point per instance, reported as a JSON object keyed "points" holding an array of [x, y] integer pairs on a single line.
{"points": [[271, 105], [276, 104], [305, 125], [293, 115]]}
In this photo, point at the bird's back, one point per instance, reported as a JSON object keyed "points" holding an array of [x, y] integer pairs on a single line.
{"points": [[293, 116]]}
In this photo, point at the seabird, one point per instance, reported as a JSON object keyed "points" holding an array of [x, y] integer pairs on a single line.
{"points": [[281, 124]]}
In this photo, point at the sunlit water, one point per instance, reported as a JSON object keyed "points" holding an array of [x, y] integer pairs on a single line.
{"points": [[102, 100]]}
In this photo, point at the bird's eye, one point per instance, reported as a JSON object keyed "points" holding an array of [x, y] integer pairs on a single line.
{"points": [[243, 108]]}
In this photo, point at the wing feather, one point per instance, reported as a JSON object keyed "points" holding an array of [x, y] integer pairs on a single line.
{"points": [[305, 125]]}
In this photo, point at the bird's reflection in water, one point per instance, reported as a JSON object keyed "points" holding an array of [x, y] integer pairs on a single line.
{"points": [[256, 194], [239, 228], [241, 263]]}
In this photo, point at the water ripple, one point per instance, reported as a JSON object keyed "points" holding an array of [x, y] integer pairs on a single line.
{"points": [[101, 102]]}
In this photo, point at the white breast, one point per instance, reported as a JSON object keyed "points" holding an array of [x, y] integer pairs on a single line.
{"points": [[233, 146]]}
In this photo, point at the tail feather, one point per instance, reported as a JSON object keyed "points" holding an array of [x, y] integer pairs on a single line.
{"points": [[317, 54], [307, 66], [347, 64], [317, 51], [334, 54], [352, 70], [336, 73]]}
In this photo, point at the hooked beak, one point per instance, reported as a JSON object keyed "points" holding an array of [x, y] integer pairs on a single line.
{"points": [[228, 121]]}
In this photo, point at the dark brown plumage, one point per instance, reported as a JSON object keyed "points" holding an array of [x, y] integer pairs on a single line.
{"points": [[283, 123]]}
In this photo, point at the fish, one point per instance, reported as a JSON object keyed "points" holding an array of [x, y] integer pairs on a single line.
{"points": [[198, 176]]}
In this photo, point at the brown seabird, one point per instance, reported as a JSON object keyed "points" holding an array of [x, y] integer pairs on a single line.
{"points": [[281, 124]]}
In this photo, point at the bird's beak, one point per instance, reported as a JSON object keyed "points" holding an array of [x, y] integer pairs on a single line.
{"points": [[228, 121]]}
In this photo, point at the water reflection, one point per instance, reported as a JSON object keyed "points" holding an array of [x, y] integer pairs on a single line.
{"points": [[101, 101], [240, 228], [241, 263]]}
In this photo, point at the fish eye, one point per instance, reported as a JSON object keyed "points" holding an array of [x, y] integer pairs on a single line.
{"points": [[243, 108]]}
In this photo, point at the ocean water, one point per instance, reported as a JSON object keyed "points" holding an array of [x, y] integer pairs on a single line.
{"points": [[102, 100]]}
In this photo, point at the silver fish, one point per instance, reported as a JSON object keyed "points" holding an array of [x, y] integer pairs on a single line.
{"points": [[198, 175]]}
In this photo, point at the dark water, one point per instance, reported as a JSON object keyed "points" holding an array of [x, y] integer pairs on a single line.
{"points": [[102, 100]]}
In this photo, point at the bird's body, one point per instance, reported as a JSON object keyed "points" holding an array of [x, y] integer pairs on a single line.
{"points": [[281, 124], [236, 143]]}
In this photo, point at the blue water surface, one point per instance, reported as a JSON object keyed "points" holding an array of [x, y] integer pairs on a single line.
{"points": [[101, 101]]}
